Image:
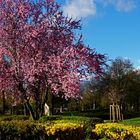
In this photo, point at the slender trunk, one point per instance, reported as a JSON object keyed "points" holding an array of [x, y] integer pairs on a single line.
{"points": [[34, 113], [50, 101], [44, 101], [11, 110], [26, 112], [3, 102], [31, 111]]}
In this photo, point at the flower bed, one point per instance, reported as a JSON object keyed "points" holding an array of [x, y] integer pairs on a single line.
{"points": [[22, 130], [115, 131], [66, 130]]}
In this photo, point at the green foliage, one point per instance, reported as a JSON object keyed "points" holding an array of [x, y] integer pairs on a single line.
{"points": [[131, 114], [20, 129], [13, 117], [67, 128], [104, 114], [73, 119], [50, 128], [50, 118]]}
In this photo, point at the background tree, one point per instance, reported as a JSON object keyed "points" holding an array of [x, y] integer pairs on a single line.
{"points": [[113, 86], [132, 99], [88, 91], [117, 79], [40, 53], [3, 102]]}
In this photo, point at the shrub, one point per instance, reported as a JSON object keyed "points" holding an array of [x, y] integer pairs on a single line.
{"points": [[50, 118], [66, 131], [20, 130], [66, 121], [13, 117], [115, 131], [76, 119]]}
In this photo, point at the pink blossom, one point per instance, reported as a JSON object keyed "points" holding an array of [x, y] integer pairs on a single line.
{"points": [[42, 50]]}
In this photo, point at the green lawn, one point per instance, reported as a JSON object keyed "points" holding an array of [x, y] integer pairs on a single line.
{"points": [[133, 121]]}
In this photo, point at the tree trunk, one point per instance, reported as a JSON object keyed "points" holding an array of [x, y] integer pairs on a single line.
{"points": [[31, 111], [38, 110], [44, 101], [40, 98], [50, 102], [25, 108], [3, 102]]}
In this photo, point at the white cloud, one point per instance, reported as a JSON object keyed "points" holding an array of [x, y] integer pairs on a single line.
{"points": [[80, 8], [120, 5], [85, 8], [125, 5]]}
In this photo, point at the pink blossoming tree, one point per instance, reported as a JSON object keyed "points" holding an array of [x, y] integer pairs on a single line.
{"points": [[40, 53]]}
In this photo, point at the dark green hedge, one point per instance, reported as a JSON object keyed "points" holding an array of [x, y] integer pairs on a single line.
{"points": [[13, 117], [79, 119], [21, 130], [26, 130]]}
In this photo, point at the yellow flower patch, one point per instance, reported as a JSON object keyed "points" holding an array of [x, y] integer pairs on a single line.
{"points": [[62, 127], [115, 131]]}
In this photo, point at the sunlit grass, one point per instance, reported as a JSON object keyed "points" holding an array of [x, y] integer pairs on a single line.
{"points": [[133, 121]]}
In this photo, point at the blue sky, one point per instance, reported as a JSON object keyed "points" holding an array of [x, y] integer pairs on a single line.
{"points": [[110, 26]]}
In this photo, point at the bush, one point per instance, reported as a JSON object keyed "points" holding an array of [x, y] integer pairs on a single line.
{"points": [[50, 118], [115, 131], [87, 123], [75, 119], [66, 131], [104, 114], [20, 130], [13, 117], [48, 128], [131, 114]]}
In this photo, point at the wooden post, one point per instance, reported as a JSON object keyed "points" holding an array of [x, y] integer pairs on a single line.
{"points": [[115, 114], [117, 107], [110, 111]]}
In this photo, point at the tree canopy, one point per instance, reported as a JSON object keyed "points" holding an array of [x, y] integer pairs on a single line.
{"points": [[40, 52]]}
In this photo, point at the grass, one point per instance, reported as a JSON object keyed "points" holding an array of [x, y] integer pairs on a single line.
{"points": [[74, 119], [71, 119], [13, 117], [133, 121], [54, 119]]}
